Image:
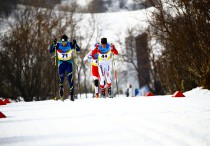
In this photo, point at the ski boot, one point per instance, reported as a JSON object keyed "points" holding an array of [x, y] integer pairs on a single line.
{"points": [[109, 92], [72, 97], [103, 95], [97, 96]]}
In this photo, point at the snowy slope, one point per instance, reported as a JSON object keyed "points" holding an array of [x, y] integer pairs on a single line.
{"points": [[114, 26], [121, 121]]}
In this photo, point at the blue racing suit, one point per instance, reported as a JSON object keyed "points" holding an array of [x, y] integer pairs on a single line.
{"points": [[65, 63]]}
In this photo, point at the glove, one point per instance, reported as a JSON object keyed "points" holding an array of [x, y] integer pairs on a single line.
{"points": [[89, 57], [97, 45], [114, 50], [74, 41], [55, 41], [112, 46]]}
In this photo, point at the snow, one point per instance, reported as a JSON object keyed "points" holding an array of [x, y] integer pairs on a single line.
{"points": [[115, 26], [121, 121]]}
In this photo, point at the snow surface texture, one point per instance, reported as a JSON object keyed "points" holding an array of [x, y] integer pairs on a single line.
{"points": [[121, 121]]}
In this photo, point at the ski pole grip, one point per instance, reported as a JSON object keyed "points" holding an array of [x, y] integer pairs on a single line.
{"points": [[55, 41]]}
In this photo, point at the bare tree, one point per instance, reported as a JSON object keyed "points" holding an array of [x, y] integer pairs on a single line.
{"points": [[39, 3], [138, 55], [182, 27], [27, 66], [97, 6], [23, 55], [7, 7]]}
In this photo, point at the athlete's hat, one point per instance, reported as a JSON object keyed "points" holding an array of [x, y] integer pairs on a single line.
{"points": [[103, 40], [64, 38]]}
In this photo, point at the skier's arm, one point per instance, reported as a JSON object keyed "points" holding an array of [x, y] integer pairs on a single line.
{"points": [[114, 50], [53, 46], [75, 46], [87, 56], [95, 51]]}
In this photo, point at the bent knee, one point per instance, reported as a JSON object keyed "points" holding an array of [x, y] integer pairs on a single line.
{"points": [[96, 83]]}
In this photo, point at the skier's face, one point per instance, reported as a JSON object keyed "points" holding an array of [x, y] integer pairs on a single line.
{"points": [[64, 43], [103, 45]]}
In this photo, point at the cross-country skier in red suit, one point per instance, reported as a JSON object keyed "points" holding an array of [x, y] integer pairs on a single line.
{"points": [[105, 52], [94, 69]]}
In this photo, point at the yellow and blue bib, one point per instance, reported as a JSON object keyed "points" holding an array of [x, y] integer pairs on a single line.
{"points": [[64, 52], [105, 53]]}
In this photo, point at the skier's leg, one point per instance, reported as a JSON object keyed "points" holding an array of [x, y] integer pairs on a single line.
{"points": [[61, 72], [102, 79], [108, 78], [95, 75], [96, 87], [70, 80]]}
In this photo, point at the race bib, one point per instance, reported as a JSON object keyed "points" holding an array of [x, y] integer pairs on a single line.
{"points": [[65, 56], [106, 56]]}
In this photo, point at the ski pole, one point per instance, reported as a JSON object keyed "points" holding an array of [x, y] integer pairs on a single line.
{"points": [[76, 62], [55, 63], [115, 74]]}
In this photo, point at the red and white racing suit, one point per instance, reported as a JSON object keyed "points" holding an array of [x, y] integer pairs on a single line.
{"points": [[104, 63], [94, 70]]}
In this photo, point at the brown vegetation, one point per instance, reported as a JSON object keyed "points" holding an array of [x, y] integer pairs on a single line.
{"points": [[183, 29]]}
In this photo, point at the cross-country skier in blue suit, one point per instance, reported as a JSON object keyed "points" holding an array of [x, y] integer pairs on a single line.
{"points": [[65, 51]]}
